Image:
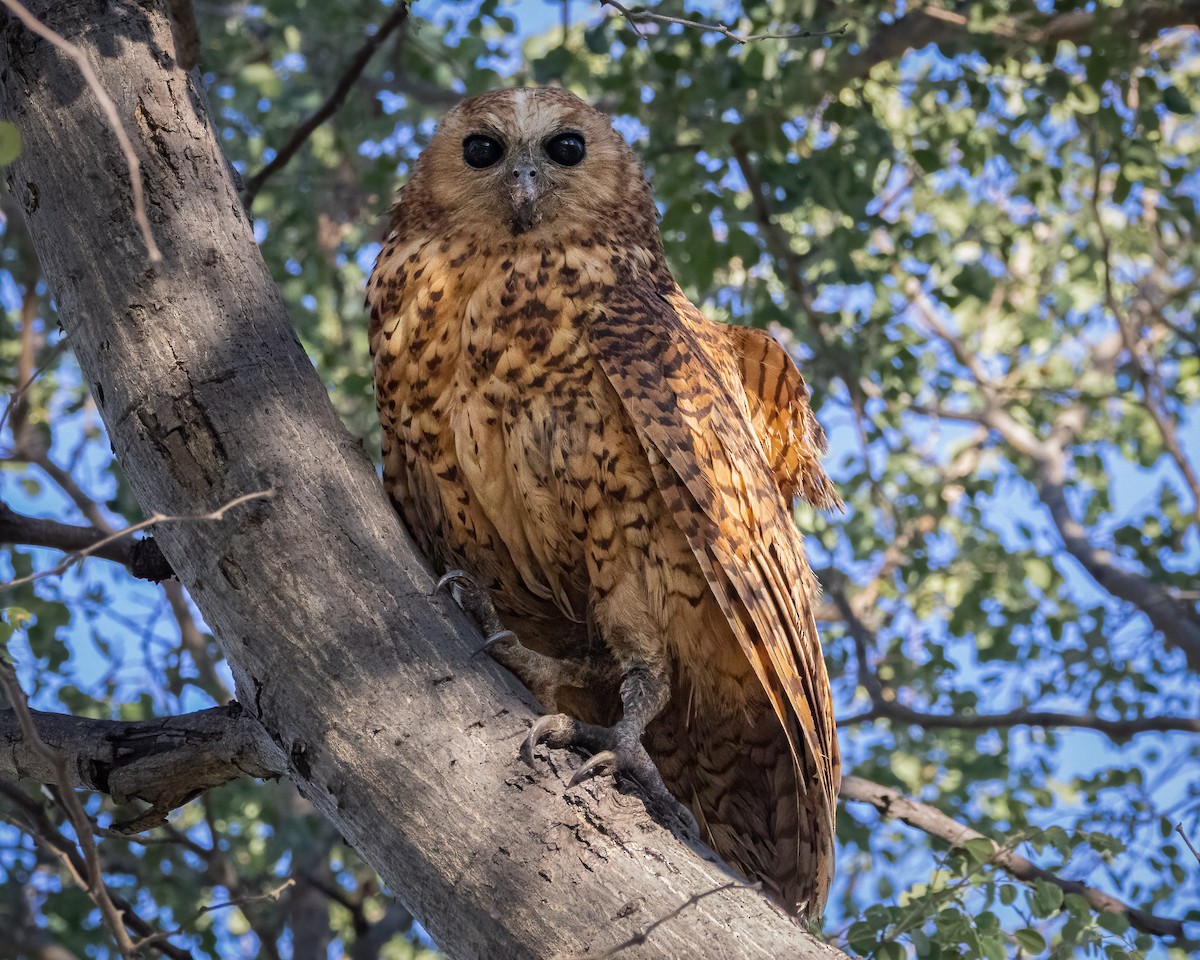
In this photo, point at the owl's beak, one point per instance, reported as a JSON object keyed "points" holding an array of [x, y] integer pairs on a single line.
{"points": [[525, 190]]}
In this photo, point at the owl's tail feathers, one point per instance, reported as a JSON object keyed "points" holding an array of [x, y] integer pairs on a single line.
{"points": [[738, 775]]}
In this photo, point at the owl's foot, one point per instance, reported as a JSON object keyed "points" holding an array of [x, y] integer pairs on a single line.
{"points": [[475, 601], [550, 680], [617, 749]]}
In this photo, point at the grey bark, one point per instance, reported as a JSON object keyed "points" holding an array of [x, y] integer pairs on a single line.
{"points": [[392, 725], [165, 762]]}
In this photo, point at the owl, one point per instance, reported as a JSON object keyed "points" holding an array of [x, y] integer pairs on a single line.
{"points": [[614, 473]]}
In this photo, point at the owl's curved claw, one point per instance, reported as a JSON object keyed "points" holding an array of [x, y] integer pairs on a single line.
{"points": [[448, 578], [605, 762], [545, 725], [499, 636]]}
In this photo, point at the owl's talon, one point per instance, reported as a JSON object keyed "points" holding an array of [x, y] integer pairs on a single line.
{"points": [[542, 727], [446, 580], [496, 638], [604, 762]]}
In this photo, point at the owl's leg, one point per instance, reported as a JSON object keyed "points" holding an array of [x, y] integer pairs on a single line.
{"points": [[618, 749], [550, 680]]}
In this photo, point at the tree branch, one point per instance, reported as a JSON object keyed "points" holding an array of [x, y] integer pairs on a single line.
{"points": [[951, 32], [397, 19], [894, 804], [1117, 729], [1174, 619], [165, 762], [142, 556], [634, 17]]}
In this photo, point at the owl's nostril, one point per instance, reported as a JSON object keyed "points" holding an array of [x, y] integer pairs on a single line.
{"points": [[524, 171]]}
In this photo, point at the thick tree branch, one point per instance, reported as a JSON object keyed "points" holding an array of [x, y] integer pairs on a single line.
{"points": [[393, 726], [894, 804], [951, 31], [358, 63], [165, 762]]}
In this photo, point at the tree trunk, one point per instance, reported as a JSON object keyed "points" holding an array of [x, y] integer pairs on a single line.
{"points": [[393, 727]]}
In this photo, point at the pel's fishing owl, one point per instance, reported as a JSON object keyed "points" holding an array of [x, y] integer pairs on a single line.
{"points": [[615, 471]]}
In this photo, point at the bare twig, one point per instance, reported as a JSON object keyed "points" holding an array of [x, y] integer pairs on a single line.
{"points": [[892, 803], [633, 17], [141, 556], [66, 564], [93, 880], [110, 112], [18, 395], [273, 894], [397, 19], [1187, 840]]}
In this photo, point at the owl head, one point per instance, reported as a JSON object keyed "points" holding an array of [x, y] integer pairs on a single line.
{"points": [[535, 163]]}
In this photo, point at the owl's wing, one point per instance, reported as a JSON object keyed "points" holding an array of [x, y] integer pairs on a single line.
{"points": [[683, 390], [783, 419]]}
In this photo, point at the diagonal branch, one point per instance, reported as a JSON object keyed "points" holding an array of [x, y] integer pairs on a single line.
{"points": [[1174, 619], [109, 539], [142, 556], [894, 804], [397, 19]]}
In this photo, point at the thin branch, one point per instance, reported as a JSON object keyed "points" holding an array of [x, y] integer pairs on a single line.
{"points": [[1179, 830], [1174, 620], [18, 395], [94, 886], [143, 558], [1142, 358], [633, 17], [397, 19], [273, 894], [110, 113], [37, 824], [894, 804], [1117, 729], [215, 515]]}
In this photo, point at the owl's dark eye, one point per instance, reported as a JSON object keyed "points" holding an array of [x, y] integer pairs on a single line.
{"points": [[480, 151], [567, 149]]}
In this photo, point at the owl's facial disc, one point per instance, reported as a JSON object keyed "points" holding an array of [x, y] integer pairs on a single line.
{"points": [[526, 173]]}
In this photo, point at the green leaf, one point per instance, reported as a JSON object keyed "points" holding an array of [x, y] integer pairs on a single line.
{"points": [[979, 850], [1045, 898], [1175, 101], [10, 143], [1030, 940]]}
